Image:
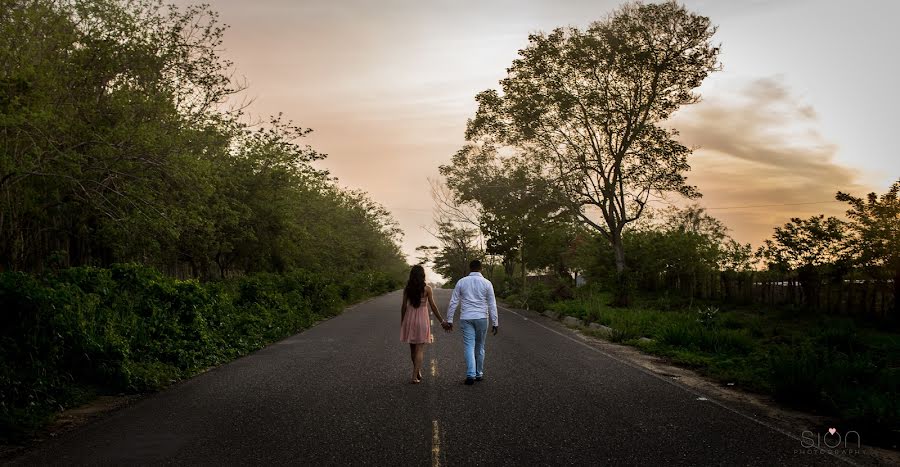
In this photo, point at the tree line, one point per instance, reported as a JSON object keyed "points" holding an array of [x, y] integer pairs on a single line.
{"points": [[122, 142], [149, 229], [561, 166]]}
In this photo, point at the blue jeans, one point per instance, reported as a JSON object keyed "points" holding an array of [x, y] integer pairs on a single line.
{"points": [[474, 332]]}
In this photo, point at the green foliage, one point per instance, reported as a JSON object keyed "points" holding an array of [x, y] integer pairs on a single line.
{"points": [[129, 328], [457, 249], [707, 317], [704, 339], [673, 253], [537, 297], [832, 365], [859, 386], [875, 221], [118, 148], [644, 61], [806, 244], [624, 334], [104, 106], [519, 213], [874, 238]]}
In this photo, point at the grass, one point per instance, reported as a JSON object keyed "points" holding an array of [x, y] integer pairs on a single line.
{"points": [[830, 365]]}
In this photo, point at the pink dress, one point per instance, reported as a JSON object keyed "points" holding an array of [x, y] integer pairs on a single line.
{"points": [[416, 326]]}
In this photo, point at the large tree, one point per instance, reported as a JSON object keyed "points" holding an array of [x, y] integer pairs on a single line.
{"points": [[518, 211], [590, 104], [875, 226]]}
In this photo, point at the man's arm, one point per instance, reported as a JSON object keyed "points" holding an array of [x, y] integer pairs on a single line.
{"points": [[492, 304]]}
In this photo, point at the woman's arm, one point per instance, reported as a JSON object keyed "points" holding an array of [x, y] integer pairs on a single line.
{"points": [[432, 305]]}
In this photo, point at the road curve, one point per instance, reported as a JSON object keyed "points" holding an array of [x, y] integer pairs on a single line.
{"points": [[338, 394]]}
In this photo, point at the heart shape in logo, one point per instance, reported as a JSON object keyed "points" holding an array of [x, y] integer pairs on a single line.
{"points": [[832, 431]]}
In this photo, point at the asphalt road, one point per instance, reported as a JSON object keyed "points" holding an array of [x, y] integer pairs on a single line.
{"points": [[338, 394]]}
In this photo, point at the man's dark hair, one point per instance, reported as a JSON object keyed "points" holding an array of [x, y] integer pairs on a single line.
{"points": [[475, 265]]}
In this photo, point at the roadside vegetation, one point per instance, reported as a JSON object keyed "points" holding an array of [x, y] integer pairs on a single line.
{"points": [[560, 184], [807, 318], [149, 227], [837, 366], [84, 331]]}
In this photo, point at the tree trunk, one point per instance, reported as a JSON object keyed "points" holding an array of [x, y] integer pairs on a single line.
{"points": [[509, 267], [896, 293], [524, 271], [621, 294]]}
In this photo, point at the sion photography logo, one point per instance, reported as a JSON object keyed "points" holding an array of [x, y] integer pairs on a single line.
{"points": [[832, 441]]}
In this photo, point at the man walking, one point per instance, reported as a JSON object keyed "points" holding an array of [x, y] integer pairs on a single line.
{"points": [[475, 295]]}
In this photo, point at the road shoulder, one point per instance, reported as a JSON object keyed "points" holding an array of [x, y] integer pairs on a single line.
{"points": [[102, 407], [757, 407]]}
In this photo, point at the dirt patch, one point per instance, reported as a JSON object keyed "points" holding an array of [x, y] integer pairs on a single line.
{"points": [[69, 420], [98, 407]]}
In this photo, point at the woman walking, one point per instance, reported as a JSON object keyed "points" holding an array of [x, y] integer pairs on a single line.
{"points": [[415, 326]]}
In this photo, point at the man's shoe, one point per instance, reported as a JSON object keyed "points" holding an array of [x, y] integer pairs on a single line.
{"points": [[479, 378], [469, 381]]}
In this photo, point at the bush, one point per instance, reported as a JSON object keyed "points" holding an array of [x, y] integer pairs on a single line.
{"points": [[859, 387], [538, 297], [131, 329], [708, 317]]}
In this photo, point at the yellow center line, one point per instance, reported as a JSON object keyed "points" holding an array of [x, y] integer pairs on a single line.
{"points": [[435, 444], [433, 367]]}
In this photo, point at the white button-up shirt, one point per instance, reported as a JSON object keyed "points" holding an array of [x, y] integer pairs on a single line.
{"points": [[475, 295]]}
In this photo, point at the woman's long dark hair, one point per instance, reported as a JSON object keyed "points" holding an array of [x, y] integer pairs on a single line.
{"points": [[415, 287]]}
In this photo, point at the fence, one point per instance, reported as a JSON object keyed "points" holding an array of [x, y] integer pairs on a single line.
{"points": [[870, 297]]}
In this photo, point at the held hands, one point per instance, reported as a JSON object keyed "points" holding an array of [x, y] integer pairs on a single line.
{"points": [[495, 329], [447, 326]]}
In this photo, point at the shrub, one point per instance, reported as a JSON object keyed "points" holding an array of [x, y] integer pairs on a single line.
{"points": [[707, 316], [131, 329]]}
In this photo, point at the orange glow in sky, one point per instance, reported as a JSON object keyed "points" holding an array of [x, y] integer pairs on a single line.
{"points": [[805, 106]]}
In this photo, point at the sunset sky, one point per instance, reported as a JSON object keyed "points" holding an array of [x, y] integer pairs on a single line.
{"points": [[806, 104]]}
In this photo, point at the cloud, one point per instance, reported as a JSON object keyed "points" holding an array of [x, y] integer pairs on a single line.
{"points": [[758, 145]]}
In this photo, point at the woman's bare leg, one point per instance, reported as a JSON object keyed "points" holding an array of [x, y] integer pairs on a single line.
{"points": [[413, 353], [420, 358], [417, 363]]}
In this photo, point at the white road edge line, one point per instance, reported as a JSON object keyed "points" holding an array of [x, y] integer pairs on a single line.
{"points": [[677, 385]]}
